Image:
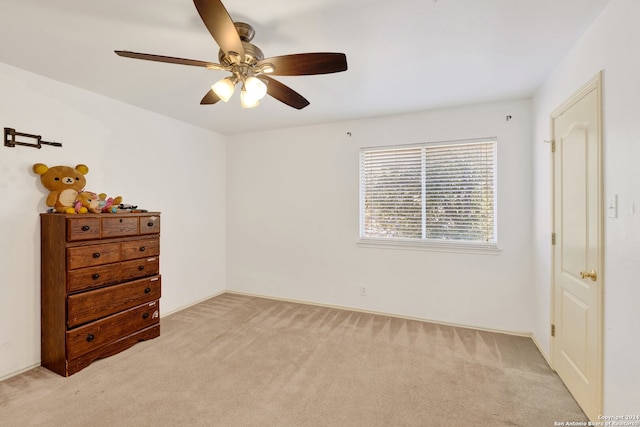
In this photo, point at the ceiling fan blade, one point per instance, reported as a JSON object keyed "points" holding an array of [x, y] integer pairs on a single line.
{"points": [[209, 98], [160, 58], [284, 93], [304, 64], [219, 23]]}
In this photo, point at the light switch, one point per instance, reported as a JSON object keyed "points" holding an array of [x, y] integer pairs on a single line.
{"points": [[612, 206]]}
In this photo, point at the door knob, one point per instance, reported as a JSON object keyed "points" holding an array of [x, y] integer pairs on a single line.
{"points": [[589, 275]]}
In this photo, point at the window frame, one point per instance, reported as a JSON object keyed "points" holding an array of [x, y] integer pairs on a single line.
{"points": [[425, 243]]}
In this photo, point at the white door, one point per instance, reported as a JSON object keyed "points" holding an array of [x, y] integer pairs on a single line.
{"points": [[577, 252]]}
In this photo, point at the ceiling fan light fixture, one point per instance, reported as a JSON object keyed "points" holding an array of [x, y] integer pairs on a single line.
{"points": [[224, 88], [255, 87], [265, 69], [246, 62], [247, 100]]}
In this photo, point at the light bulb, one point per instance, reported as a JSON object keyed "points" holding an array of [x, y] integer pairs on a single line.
{"points": [[223, 88], [247, 100], [256, 87], [265, 69]]}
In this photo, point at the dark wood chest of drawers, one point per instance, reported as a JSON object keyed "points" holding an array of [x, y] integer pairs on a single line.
{"points": [[100, 286]]}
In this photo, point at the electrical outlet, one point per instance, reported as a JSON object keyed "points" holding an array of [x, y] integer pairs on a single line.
{"points": [[363, 291]]}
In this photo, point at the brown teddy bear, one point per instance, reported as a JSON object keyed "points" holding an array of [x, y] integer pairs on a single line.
{"points": [[64, 183]]}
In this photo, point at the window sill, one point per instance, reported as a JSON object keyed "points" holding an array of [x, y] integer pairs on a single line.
{"points": [[460, 247]]}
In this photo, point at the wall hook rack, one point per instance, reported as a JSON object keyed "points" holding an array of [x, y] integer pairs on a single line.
{"points": [[10, 139]]}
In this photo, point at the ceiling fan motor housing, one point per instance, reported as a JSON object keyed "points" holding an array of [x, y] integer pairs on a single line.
{"points": [[245, 31], [252, 53]]}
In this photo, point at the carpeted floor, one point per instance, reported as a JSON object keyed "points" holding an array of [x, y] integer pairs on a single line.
{"points": [[236, 360]]}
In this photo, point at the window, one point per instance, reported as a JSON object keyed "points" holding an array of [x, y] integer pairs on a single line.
{"points": [[439, 193]]}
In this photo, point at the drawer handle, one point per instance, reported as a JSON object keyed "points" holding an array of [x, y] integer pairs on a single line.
{"points": [[150, 224], [85, 228], [96, 255], [145, 315], [96, 276], [143, 248], [147, 290], [141, 267], [90, 337]]}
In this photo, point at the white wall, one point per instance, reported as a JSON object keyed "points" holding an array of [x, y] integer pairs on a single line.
{"points": [[293, 221], [611, 44], [289, 202], [152, 161]]}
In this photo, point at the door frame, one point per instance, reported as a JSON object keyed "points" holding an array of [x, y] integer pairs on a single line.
{"points": [[595, 83]]}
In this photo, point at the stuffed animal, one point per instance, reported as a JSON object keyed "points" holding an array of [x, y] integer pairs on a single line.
{"points": [[109, 205], [64, 183], [86, 201]]}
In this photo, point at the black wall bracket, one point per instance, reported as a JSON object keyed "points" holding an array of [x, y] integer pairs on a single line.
{"points": [[10, 139]]}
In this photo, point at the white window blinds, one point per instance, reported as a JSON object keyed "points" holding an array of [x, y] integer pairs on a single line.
{"points": [[440, 192]]}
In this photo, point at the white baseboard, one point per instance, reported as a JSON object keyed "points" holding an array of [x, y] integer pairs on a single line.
{"points": [[191, 304], [381, 313], [21, 371], [541, 350]]}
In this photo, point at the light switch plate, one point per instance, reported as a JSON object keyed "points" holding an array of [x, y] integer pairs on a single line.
{"points": [[612, 206]]}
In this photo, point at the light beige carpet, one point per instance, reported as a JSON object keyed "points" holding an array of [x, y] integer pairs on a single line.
{"points": [[243, 361]]}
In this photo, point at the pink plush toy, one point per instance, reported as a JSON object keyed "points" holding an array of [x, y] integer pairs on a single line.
{"points": [[86, 201], [109, 205]]}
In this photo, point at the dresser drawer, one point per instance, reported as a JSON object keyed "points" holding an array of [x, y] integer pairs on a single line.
{"points": [[150, 224], [83, 228], [140, 249], [92, 305], [87, 256], [92, 277], [118, 226], [96, 334], [74, 365], [138, 268]]}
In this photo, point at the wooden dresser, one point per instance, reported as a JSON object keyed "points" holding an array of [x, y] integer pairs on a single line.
{"points": [[100, 286]]}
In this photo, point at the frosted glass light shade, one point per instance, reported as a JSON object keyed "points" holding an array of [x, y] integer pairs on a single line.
{"points": [[223, 89], [255, 87], [247, 100]]}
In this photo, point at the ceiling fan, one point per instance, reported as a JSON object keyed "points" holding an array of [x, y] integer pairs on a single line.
{"points": [[246, 62]]}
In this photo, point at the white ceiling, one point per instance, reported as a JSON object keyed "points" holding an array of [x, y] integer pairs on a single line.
{"points": [[403, 55]]}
